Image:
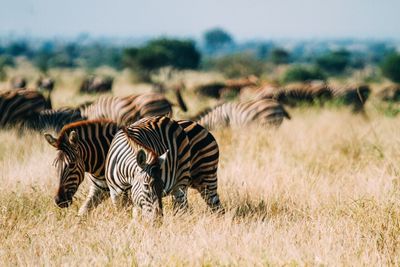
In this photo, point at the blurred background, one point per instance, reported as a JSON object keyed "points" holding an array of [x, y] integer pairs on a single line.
{"points": [[150, 42]]}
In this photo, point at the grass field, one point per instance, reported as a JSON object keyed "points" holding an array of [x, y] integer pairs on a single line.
{"points": [[323, 189]]}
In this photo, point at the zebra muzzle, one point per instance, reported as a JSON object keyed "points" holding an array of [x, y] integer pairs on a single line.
{"points": [[63, 200]]}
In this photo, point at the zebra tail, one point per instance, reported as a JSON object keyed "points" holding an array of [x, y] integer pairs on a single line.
{"points": [[179, 98]]}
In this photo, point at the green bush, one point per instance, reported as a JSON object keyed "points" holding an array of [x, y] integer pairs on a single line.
{"points": [[178, 54], [279, 56], [299, 73], [391, 67], [334, 62], [236, 65]]}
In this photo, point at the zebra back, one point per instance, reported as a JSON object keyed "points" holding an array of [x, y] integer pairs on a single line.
{"points": [[51, 119], [16, 105], [128, 109], [352, 95], [261, 111]]}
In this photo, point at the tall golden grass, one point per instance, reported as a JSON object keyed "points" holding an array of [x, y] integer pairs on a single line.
{"points": [[323, 189]]}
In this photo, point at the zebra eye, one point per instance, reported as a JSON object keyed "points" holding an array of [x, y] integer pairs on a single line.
{"points": [[146, 186]]}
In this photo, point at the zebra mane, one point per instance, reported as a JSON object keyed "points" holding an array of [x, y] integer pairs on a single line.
{"points": [[137, 144], [79, 124]]}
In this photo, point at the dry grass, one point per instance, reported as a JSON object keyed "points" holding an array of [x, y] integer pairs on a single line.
{"points": [[322, 189]]}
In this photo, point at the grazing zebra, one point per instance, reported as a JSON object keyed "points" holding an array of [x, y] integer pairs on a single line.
{"points": [[297, 93], [17, 105], [82, 147], [352, 95], [45, 84], [390, 93], [158, 156], [51, 119], [95, 84], [128, 109], [18, 82], [262, 112]]}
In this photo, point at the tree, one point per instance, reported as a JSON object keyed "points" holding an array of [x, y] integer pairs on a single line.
{"points": [[391, 67], [178, 54], [41, 60], [18, 48], [279, 56], [334, 62], [299, 73], [216, 39]]}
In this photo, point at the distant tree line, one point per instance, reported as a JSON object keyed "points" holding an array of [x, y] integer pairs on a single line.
{"points": [[69, 55], [217, 51]]}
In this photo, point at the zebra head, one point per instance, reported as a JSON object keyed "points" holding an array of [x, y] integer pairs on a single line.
{"points": [[148, 189], [70, 167]]}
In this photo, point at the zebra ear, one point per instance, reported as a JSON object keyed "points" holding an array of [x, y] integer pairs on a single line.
{"points": [[50, 139], [141, 158], [162, 158], [73, 138]]}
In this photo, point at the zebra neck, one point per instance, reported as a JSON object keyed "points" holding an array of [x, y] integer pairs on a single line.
{"points": [[94, 148]]}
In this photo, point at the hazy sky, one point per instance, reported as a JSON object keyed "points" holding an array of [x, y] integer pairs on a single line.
{"points": [[244, 19]]}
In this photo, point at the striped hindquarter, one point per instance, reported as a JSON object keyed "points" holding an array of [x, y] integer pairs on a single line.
{"points": [[149, 145], [204, 160], [82, 147], [128, 109], [16, 105], [262, 112]]}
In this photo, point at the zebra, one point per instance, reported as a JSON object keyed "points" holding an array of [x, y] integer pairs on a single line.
{"points": [[352, 95], [240, 114], [128, 109], [17, 105], [157, 156], [95, 84], [50, 119], [18, 82], [297, 93], [45, 84], [82, 147]]}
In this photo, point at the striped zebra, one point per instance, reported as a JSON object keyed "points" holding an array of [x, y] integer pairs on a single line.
{"points": [[128, 109], [352, 95], [158, 156], [297, 93], [50, 119], [262, 112], [17, 105], [82, 147]]}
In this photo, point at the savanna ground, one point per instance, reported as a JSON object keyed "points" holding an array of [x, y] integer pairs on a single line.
{"points": [[323, 189]]}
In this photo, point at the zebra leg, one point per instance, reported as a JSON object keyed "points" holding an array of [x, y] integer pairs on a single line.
{"points": [[179, 198], [95, 197], [120, 199], [212, 199]]}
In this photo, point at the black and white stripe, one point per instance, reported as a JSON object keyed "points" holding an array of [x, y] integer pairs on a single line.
{"points": [[128, 109], [240, 114], [51, 119], [159, 156], [82, 147], [17, 105]]}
